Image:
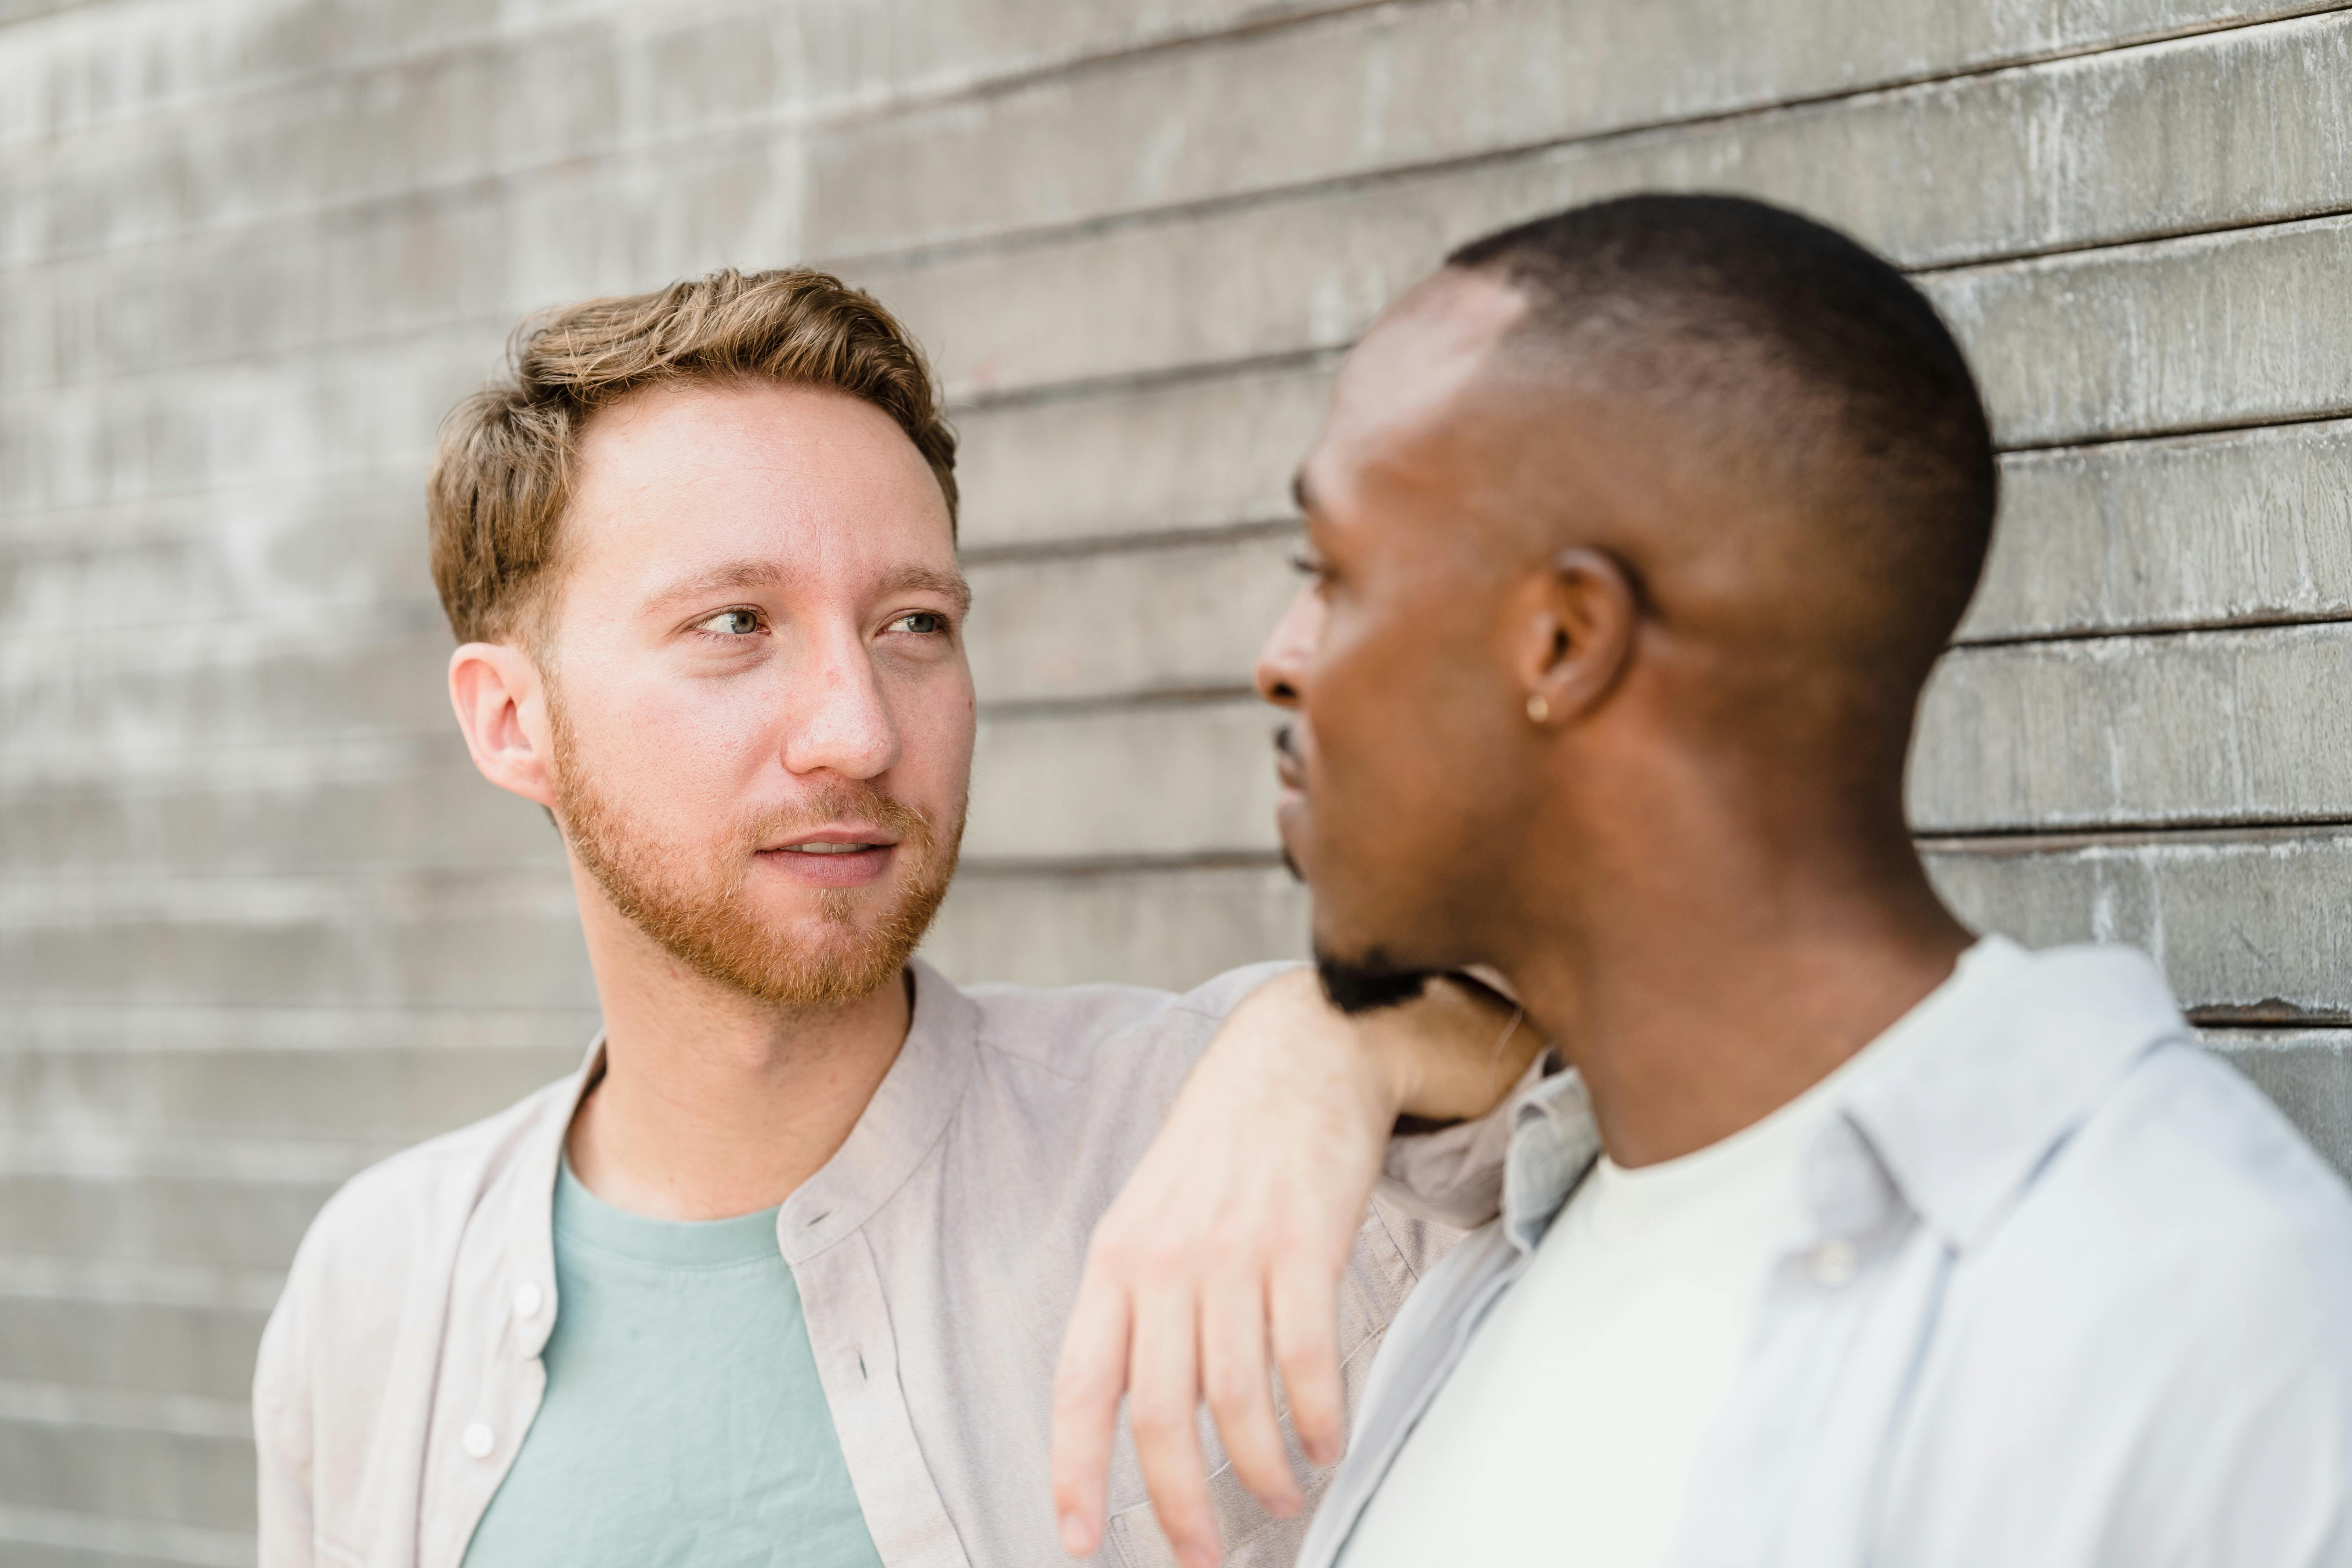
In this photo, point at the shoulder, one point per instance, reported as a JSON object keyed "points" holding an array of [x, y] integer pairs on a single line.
{"points": [[361, 1253], [1083, 1031], [2157, 1338]]}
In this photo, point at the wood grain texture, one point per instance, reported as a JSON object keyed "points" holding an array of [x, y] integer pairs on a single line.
{"points": [[259, 923], [1402, 87], [2250, 924]]}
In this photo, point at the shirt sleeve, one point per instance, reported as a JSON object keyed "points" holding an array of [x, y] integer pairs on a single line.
{"points": [[1453, 1176], [282, 1436]]}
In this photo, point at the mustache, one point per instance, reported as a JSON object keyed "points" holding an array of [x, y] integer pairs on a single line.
{"points": [[846, 800]]}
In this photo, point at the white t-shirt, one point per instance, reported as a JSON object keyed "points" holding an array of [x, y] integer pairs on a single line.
{"points": [[1568, 1433]]}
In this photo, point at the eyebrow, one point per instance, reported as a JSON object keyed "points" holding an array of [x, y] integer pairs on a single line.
{"points": [[752, 573]]}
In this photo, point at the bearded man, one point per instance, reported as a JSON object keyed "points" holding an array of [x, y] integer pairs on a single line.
{"points": [[1851, 1237], [778, 1276]]}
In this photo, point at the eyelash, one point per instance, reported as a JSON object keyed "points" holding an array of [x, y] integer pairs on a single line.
{"points": [[939, 631], [1306, 565]]}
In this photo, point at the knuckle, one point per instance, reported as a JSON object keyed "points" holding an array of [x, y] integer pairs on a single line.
{"points": [[1156, 1423]]}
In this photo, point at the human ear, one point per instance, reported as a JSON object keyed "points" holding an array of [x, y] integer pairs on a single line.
{"points": [[1576, 635], [497, 691]]}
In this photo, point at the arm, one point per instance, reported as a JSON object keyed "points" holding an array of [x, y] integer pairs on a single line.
{"points": [[1229, 1241]]}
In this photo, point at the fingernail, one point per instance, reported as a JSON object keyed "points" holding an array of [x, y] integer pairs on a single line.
{"points": [[1196, 1557], [1283, 1507], [1074, 1536], [1322, 1453]]}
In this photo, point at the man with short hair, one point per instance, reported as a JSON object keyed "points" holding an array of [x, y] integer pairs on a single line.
{"points": [[778, 1276], [1850, 1237]]}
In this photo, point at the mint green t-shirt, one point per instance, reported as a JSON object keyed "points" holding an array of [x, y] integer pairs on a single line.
{"points": [[682, 1422]]}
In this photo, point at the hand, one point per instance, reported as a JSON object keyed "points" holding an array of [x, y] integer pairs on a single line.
{"points": [[1231, 1237]]}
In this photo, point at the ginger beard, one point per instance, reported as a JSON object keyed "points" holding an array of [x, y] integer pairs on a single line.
{"points": [[688, 899]]}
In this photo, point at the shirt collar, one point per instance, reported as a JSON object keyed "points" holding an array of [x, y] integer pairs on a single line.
{"points": [[907, 1116], [1962, 1112], [1963, 1100]]}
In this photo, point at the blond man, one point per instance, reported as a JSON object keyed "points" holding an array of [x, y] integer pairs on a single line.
{"points": [[778, 1276]]}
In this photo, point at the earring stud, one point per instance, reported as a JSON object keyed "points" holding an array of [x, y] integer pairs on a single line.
{"points": [[1538, 710]]}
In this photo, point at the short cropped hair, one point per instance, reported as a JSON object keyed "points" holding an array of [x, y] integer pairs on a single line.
{"points": [[501, 475], [1780, 344]]}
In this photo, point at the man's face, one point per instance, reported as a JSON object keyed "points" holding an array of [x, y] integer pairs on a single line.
{"points": [[760, 710], [1399, 806]]}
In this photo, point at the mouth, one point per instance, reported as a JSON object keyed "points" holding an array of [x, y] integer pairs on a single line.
{"points": [[836, 856], [1286, 768]]}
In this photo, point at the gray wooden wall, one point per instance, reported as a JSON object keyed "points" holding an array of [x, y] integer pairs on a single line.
{"points": [[259, 921]]}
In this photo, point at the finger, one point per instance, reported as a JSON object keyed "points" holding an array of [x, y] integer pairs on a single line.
{"points": [[1240, 1386], [1162, 1403], [1087, 1387], [1304, 1300]]}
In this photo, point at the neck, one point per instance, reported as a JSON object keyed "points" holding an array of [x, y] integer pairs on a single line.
{"points": [[713, 1104], [1699, 982]]}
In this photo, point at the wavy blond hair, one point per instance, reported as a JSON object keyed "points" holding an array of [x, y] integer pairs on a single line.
{"points": [[502, 472]]}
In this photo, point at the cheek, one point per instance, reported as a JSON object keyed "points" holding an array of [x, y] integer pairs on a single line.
{"points": [[1405, 772], [936, 716], [674, 752]]}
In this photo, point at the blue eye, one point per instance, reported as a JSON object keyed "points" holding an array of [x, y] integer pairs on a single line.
{"points": [[732, 623], [921, 624]]}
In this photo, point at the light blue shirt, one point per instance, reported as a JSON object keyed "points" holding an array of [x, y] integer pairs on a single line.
{"points": [[684, 1424], [2069, 1293]]}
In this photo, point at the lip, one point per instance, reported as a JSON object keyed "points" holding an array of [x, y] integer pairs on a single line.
{"points": [[834, 833], [845, 868]]}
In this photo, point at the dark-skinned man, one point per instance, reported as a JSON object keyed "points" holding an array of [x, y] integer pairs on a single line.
{"points": [[1850, 1238]]}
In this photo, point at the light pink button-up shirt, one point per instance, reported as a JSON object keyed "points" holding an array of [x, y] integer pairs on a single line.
{"points": [[937, 1256]]}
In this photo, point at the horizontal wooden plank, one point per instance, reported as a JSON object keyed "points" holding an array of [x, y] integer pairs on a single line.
{"points": [[1206, 453], [2250, 525], [1172, 929], [2211, 330], [205, 1481], [502, 104], [2194, 727], [1159, 780], [233, 1224], [272, 439], [2248, 923], [504, 939], [2170, 533], [1404, 86], [2308, 1072], [137, 1346], [1182, 617], [353, 1094], [56, 1538], [113, 1025], [2235, 726], [1939, 174], [53, 698], [77, 79], [441, 816]]}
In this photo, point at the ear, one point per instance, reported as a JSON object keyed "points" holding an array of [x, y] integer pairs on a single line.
{"points": [[501, 707], [1576, 636]]}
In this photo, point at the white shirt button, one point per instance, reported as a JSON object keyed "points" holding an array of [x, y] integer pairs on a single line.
{"points": [[479, 1441], [527, 1301], [1833, 1263]]}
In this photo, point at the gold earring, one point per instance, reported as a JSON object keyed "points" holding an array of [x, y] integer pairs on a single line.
{"points": [[1538, 710]]}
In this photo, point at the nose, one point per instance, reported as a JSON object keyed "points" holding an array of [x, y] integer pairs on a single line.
{"points": [[1281, 662], [835, 719]]}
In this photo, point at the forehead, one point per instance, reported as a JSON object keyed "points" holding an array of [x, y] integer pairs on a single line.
{"points": [[1409, 411], [693, 471]]}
